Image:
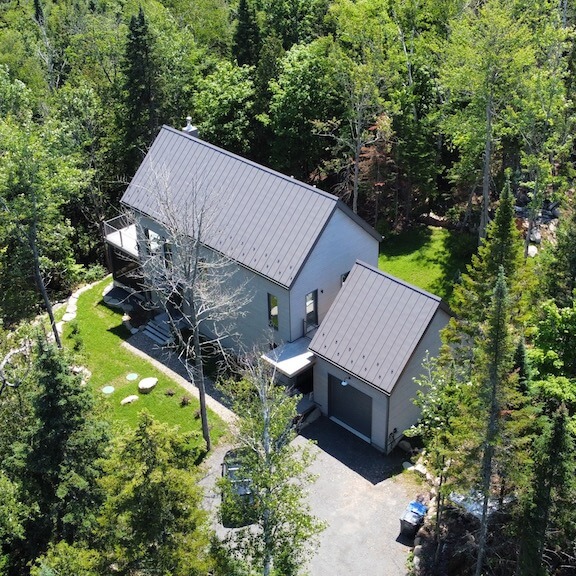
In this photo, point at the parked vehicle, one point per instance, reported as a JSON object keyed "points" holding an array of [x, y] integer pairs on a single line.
{"points": [[238, 508]]}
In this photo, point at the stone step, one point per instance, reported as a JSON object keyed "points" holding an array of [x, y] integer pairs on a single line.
{"points": [[158, 334], [161, 328]]}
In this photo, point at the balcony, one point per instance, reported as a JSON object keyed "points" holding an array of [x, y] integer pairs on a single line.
{"points": [[121, 233]]}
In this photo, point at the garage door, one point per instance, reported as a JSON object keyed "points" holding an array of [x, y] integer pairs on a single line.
{"points": [[350, 407]]}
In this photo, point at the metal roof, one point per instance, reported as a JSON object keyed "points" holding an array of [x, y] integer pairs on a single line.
{"points": [[374, 326], [264, 220]]}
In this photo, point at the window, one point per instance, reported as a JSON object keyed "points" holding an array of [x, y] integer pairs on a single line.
{"points": [[312, 309], [168, 255], [153, 241], [273, 311]]}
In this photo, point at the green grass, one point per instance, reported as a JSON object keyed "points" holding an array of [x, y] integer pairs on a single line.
{"points": [[100, 331], [428, 257]]}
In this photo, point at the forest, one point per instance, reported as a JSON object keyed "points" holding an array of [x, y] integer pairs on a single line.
{"points": [[403, 108], [455, 111]]}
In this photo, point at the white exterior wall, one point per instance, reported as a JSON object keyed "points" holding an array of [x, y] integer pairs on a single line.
{"points": [[379, 400], [251, 325], [340, 245], [403, 412]]}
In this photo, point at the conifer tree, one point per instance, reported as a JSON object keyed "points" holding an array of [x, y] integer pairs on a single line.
{"points": [[60, 456], [495, 366], [547, 519], [140, 115], [502, 247], [246, 42]]}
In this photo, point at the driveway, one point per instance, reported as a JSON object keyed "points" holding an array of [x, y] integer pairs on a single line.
{"points": [[361, 496]]}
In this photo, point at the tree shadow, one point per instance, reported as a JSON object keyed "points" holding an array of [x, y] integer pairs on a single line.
{"points": [[353, 452], [406, 242], [458, 248]]}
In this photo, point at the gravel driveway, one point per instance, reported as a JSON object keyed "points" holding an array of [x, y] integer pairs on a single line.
{"points": [[361, 496]]}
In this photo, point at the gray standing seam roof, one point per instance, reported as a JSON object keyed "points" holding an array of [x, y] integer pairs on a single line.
{"points": [[260, 218], [374, 326]]}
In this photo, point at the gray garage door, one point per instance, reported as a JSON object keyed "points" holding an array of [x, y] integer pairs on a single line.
{"points": [[350, 406]]}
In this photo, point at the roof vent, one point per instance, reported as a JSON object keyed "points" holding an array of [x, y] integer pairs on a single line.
{"points": [[189, 128]]}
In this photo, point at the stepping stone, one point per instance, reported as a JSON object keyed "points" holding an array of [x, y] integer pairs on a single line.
{"points": [[132, 376], [108, 389], [147, 384], [129, 400], [68, 317]]}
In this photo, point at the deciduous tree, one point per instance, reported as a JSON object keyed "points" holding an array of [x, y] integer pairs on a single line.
{"points": [[285, 532], [199, 289]]}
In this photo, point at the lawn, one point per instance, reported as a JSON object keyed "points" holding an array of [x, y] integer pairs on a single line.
{"points": [[428, 257], [98, 333]]}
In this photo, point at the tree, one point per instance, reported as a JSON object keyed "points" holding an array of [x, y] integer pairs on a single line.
{"points": [[558, 273], [545, 117], [12, 515], [285, 533], [152, 520], [294, 21], [306, 90], [141, 101], [547, 521], [247, 42], [223, 103], [38, 177], [495, 368], [363, 110], [64, 558], [501, 247], [555, 339], [486, 62], [198, 288], [59, 456]]}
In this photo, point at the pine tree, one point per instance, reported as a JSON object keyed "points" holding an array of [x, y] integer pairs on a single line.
{"points": [[246, 42], [495, 367], [60, 459], [141, 98]]}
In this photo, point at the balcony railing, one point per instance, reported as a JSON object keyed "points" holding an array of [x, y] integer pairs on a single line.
{"points": [[121, 233]]}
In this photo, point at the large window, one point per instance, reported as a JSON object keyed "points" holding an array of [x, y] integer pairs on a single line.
{"points": [[273, 311], [312, 309], [153, 241], [168, 255]]}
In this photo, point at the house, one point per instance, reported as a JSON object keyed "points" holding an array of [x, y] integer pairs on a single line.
{"points": [[370, 348], [332, 322], [291, 242]]}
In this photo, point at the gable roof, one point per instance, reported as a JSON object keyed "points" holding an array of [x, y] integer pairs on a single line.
{"points": [[266, 221], [374, 326]]}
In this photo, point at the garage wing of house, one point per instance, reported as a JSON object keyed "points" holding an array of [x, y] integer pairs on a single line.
{"points": [[369, 349]]}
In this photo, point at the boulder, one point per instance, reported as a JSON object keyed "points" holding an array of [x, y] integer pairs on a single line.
{"points": [[146, 385], [405, 445], [129, 400]]}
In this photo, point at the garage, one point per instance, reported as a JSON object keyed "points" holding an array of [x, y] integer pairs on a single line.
{"points": [[350, 407]]}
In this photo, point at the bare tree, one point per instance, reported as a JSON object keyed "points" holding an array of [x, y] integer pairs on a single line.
{"points": [[198, 288], [364, 110]]}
